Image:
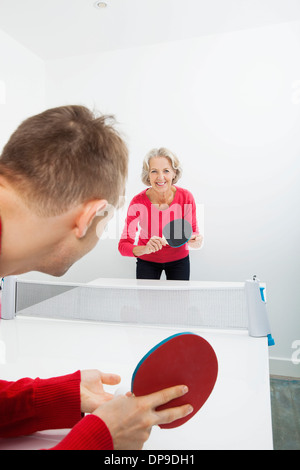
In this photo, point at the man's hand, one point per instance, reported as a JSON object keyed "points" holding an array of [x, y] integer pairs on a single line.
{"points": [[92, 393], [130, 419]]}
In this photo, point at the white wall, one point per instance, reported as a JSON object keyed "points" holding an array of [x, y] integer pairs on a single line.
{"points": [[229, 106], [23, 76]]}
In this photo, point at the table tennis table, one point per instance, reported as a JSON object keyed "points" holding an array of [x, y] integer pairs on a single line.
{"points": [[237, 415]]}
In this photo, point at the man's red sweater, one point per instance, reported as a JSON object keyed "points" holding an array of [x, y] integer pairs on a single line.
{"points": [[28, 406]]}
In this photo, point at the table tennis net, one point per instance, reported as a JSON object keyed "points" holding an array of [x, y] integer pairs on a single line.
{"points": [[211, 307]]}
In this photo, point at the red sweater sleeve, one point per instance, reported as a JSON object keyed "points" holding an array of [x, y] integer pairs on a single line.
{"points": [[126, 243], [90, 433], [28, 406]]}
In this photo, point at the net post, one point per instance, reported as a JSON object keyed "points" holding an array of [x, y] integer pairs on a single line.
{"points": [[259, 325], [8, 298]]}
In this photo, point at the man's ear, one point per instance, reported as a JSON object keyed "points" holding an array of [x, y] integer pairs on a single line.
{"points": [[86, 215]]}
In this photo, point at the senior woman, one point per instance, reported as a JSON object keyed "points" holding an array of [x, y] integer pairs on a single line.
{"points": [[150, 211]]}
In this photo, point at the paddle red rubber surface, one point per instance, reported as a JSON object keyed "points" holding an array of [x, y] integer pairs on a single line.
{"points": [[182, 359]]}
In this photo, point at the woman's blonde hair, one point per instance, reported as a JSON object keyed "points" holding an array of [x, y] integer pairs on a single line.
{"points": [[161, 152]]}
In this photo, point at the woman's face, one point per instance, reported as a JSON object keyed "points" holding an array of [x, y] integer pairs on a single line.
{"points": [[161, 174]]}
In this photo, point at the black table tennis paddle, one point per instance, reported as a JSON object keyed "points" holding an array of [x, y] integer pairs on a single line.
{"points": [[177, 232]]}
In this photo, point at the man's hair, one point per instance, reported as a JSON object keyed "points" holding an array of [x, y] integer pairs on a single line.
{"points": [[66, 156]]}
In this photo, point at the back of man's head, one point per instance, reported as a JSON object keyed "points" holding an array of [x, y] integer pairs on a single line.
{"points": [[63, 157]]}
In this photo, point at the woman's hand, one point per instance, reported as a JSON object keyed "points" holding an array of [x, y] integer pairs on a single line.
{"points": [[153, 245], [195, 241], [92, 394]]}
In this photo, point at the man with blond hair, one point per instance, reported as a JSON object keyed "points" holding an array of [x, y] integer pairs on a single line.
{"points": [[59, 173]]}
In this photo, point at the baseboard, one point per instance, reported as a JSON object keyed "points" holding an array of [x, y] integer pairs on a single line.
{"points": [[284, 367]]}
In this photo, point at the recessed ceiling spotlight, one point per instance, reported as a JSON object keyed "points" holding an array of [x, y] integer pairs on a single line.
{"points": [[102, 4]]}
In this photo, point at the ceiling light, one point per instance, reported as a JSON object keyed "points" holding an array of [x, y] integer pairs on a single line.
{"points": [[102, 4]]}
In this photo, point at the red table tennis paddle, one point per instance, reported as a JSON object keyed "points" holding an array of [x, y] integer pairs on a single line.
{"points": [[181, 359]]}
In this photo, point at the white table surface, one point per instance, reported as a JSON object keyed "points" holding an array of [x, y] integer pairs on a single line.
{"points": [[237, 415]]}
